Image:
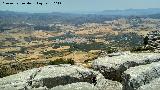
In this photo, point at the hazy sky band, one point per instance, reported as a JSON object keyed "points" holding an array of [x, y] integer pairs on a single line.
{"points": [[79, 5]]}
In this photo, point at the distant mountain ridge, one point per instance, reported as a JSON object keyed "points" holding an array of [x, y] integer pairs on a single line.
{"points": [[10, 17], [128, 12], [125, 12]]}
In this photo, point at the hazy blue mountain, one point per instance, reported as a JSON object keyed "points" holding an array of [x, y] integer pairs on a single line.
{"points": [[131, 12], [9, 17]]}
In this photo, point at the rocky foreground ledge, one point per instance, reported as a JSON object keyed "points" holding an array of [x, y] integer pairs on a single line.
{"points": [[117, 71], [58, 77], [133, 70]]}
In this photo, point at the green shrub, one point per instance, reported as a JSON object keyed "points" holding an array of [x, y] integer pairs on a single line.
{"points": [[145, 40], [61, 61], [53, 53], [111, 50], [141, 48]]}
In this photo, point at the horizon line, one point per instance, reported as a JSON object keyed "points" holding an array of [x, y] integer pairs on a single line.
{"points": [[83, 12]]}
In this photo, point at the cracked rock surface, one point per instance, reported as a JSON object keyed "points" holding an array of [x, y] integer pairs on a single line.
{"points": [[153, 85], [117, 71], [76, 86], [135, 71], [54, 77], [112, 67], [140, 75]]}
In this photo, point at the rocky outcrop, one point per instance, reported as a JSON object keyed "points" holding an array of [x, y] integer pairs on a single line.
{"points": [[154, 40], [135, 77], [64, 77], [133, 70], [112, 67], [117, 71], [102, 84], [105, 84], [153, 85], [54, 76], [76, 86]]}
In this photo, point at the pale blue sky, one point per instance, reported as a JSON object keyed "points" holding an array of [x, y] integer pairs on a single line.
{"points": [[79, 5]]}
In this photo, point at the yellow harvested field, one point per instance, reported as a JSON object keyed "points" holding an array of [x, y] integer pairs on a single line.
{"points": [[95, 30], [62, 48], [94, 51], [41, 34], [79, 57], [9, 49]]}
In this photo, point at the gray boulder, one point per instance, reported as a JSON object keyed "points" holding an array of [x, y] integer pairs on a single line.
{"points": [[153, 85], [101, 84], [113, 66], [54, 77], [104, 84], [18, 81], [76, 86], [137, 76]]}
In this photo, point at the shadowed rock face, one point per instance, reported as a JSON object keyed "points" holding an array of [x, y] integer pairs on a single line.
{"points": [[133, 70], [64, 77], [135, 77], [113, 67], [53, 76]]}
